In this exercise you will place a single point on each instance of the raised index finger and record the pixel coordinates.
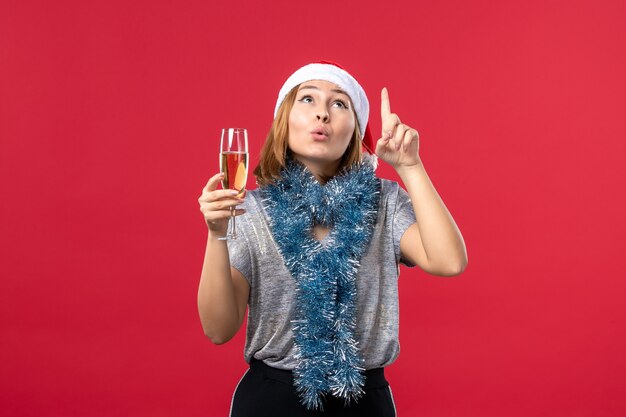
(385, 108)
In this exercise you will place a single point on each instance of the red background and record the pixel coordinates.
(110, 113)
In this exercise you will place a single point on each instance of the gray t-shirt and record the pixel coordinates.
(269, 336)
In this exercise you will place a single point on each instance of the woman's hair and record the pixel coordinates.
(276, 147)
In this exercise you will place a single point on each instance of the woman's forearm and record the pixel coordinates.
(441, 238)
(217, 299)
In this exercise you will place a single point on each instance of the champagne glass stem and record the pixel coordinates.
(233, 232)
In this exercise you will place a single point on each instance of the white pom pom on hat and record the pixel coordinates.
(336, 74)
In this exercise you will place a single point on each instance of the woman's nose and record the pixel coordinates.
(322, 115)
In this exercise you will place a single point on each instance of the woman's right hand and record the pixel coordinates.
(215, 205)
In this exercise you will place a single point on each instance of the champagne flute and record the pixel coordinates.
(234, 165)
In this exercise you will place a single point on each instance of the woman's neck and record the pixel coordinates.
(321, 170)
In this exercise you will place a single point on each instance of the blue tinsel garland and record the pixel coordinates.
(328, 359)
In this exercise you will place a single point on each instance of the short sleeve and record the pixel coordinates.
(403, 217)
(239, 253)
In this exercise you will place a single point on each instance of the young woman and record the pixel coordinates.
(317, 254)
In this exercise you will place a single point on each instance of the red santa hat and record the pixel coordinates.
(334, 73)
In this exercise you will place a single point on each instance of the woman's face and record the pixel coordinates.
(321, 122)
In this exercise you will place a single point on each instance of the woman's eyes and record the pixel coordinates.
(339, 103)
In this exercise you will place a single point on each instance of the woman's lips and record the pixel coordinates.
(319, 134)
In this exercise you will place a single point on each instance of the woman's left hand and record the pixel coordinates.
(399, 144)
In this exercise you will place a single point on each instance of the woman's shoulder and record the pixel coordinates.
(392, 194)
(253, 196)
(253, 202)
(388, 187)
(256, 193)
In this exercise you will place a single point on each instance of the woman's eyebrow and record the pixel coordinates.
(334, 90)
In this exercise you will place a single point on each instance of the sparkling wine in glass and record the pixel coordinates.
(234, 165)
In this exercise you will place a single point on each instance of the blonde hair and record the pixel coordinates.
(276, 147)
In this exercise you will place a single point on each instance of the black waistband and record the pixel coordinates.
(374, 378)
